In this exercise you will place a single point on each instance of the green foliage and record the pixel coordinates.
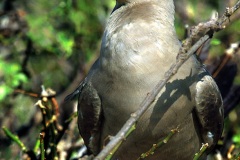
(56, 29)
(236, 139)
(12, 77)
(215, 42)
(46, 37)
(66, 43)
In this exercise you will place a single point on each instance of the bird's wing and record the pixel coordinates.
(89, 111)
(76, 92)
(89, 114)
(209, 110)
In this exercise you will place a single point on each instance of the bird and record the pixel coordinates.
(139, 44)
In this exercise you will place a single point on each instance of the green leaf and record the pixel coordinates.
(65, 42)
(215, 42)
(13, 77)
(236, 138)
(4, 91)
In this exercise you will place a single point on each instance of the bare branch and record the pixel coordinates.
(200, 153)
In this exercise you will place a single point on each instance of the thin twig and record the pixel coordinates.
(228, 55)
(36, 147)
(15, 138)
(200, 153)
(51, 129)
(133, 127)
(159, 144)
(73, 115)
(42, 150)
(27, 93)
(186, 51)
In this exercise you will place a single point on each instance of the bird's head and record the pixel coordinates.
(120, 3)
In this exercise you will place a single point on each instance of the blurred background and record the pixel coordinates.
(53, 44)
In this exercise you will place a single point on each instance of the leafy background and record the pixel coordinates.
(53, 43)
